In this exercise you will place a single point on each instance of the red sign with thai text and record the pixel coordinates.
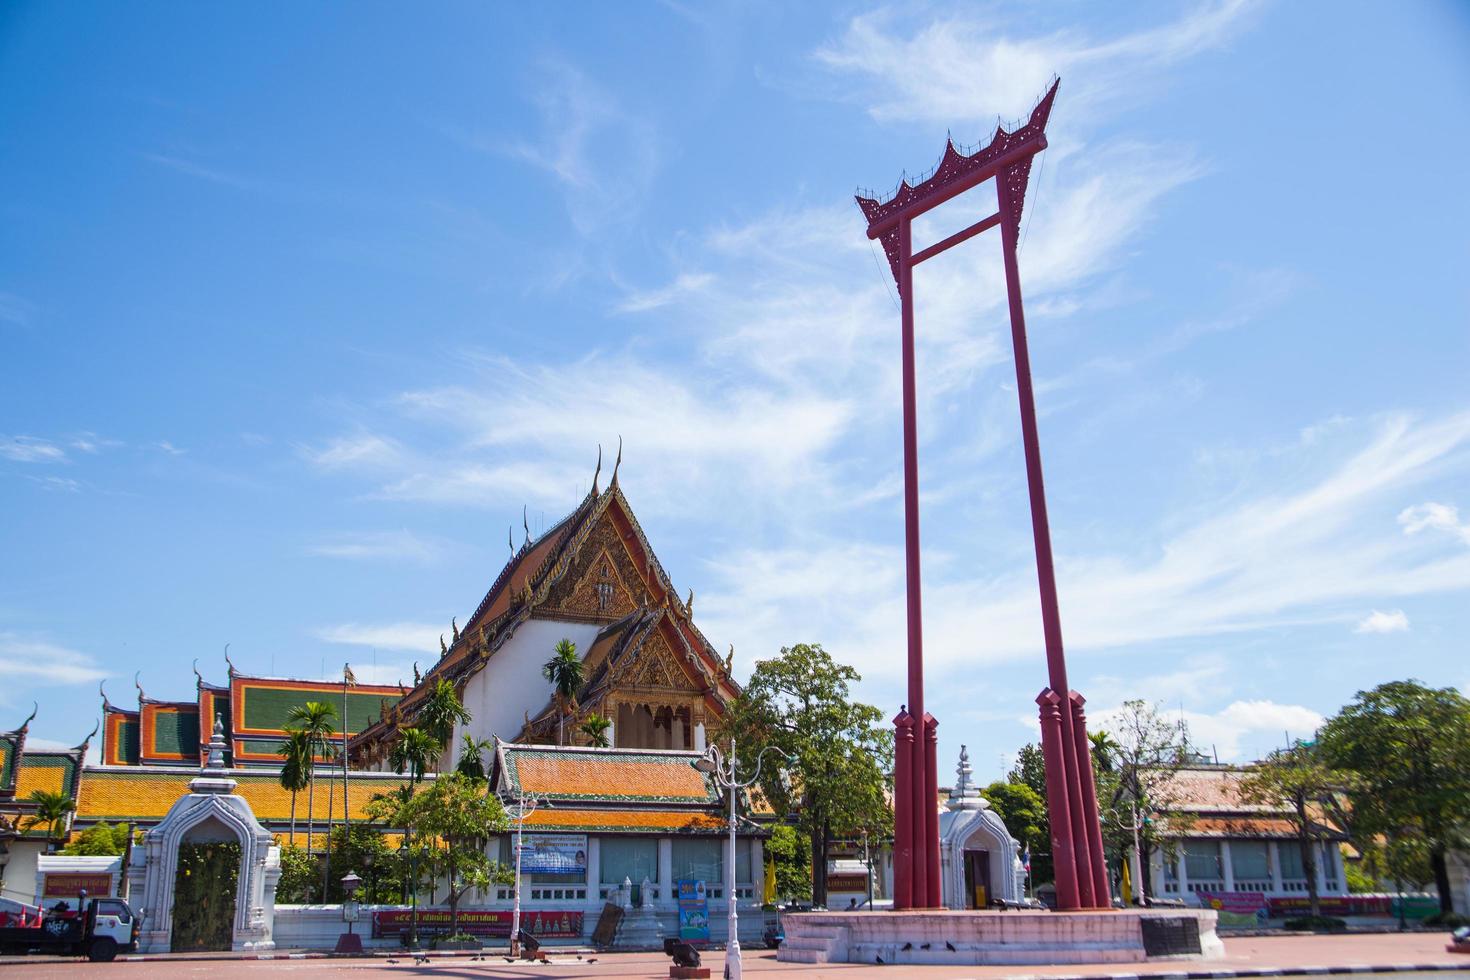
(69, 885)
(479, 922)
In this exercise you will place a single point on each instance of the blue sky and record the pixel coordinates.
(299, 306)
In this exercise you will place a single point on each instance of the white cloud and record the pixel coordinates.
(371, 545)
(16, 310)
(28, 449)
(1439, 517)
(418, 637)
(169, 448)
(968, 68)
(1253, 563)
(1246, 730)
(28, 659)
(58, 484)
(1383, 622)
(603, 154)
(349, 451)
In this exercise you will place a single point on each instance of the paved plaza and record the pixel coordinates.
(1246, 954)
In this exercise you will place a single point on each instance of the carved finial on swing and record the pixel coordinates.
(227, 660)
(138, 685)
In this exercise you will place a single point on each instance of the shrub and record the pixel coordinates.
(1446, 920)
(1316, 923)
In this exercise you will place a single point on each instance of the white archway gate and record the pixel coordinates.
(211, 805)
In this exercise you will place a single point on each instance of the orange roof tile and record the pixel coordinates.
(629, 820)
(147, 794)
(610, 776)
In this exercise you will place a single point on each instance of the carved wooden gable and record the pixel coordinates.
(597, 587)
(656, 665)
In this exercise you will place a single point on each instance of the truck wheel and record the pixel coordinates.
(103, 950)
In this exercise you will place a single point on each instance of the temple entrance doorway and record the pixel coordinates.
(204, 889)
(977, 879)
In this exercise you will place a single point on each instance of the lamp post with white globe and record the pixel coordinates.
(721, 769)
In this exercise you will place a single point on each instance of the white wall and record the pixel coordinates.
(20, 871)
(318, 926)
(511, 683)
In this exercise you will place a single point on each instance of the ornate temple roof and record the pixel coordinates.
(552, 577)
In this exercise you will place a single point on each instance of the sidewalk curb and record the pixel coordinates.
(1249, 972)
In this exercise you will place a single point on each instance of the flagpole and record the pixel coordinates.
(346, 810)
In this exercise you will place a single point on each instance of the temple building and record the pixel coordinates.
(594, 580)
(618, 822)
(255, 712)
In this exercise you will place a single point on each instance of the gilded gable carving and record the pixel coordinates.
(598, 586)
(657, 665)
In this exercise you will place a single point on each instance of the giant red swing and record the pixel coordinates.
(1081, 874)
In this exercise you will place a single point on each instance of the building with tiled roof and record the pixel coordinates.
(255, 712)
(1224, 844)
(633, 814)
(593, 579)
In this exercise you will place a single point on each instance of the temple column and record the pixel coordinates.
(594, 870)
(1227, 868)
(1273, 854)
(666, 869)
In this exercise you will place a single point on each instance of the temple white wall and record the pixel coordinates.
(511, 684)
(20, 871)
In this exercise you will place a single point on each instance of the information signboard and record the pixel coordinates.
(554, 854)
(543, 923)
(693, 911)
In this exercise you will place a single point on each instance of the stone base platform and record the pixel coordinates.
(974, 938)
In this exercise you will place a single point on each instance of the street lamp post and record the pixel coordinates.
(722, 770)
(405, 851)
(523, 806)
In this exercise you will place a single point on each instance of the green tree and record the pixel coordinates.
(791, 852)
(53, 811)
(1023, 811)
(442, 710)
(1298, 783)
(801, 703)
(1410, 747)
(595, 728)
(363, 850)
(1137, 754)
(472, 756)
(295, 753)
(1029, 770)
(414, 751)
(453, 819)
(564, 671)
(100, 840)
(299, 872)
(314, 720)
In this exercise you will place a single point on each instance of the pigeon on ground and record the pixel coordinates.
(392, 960)
(949, 945)
(592, 960)
(510, 959)
(579, 956)
(880, 960)
(925, 946)
(907, 947)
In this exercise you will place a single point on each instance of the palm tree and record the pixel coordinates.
(52, 812)
(413, 751)
(295, 770)
(564, 671)
(472, 756)
(595, 728)
(313, 720)
(440, 713)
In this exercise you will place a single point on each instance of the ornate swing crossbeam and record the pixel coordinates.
(1076, 834)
